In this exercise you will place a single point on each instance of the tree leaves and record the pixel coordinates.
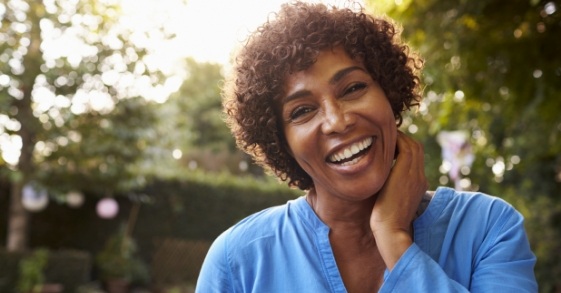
(503, 57)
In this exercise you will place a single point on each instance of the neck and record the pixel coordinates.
(343, 216)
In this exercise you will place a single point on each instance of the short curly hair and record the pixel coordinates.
(289, 42)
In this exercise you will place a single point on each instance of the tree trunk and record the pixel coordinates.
(18, 220)
(18, 216)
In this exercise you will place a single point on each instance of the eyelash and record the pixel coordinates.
(355, 87)
(299, 111)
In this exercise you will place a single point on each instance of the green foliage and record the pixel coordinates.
(196, 206)
(119, 260)
(201, 205)
(200, 102)
(196, 109)
(74, 80)
(102, 161)
(493, 68)
(77, 111)
(69, 268)
(31, 271)
(191, 130)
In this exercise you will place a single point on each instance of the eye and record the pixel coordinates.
(354, 88)
(299, 112)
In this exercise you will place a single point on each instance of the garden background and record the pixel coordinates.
(114, 166)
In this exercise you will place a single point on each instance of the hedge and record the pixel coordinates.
(195, 208)
(68, 268)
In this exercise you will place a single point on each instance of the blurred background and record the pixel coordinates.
(117, 172)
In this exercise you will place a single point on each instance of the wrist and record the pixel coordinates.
(392, 244)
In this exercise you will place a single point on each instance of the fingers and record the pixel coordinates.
(398, 200)
(410, 161)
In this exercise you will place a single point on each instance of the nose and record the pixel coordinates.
(336, 119)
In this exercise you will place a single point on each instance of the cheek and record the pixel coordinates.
(291, 144)
(300, 146)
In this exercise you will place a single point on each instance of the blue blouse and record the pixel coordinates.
(463, 242)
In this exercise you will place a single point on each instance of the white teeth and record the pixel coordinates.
(353, 161)
(351, 151)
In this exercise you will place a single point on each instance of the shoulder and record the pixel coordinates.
(469, 222)
(471, 212)
(484, 203)
(255, 238)
(238, 242)
(474, 236)
(260, 225)
(480, 204)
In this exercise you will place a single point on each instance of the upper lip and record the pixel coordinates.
(348, 150)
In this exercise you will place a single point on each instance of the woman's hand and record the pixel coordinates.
(397, 203)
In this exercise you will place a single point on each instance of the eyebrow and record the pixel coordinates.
(334, 79)
(341, 73)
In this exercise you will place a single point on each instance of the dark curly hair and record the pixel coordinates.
(289, 42)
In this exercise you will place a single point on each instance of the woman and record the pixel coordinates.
(316, 97)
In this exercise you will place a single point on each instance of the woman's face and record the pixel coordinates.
(339, 126)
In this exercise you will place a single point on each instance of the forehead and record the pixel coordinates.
(330, 65)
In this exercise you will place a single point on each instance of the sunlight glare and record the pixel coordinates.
(206, 30)
(10, 146)
(177, 154)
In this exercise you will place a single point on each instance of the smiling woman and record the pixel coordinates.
(316, 96)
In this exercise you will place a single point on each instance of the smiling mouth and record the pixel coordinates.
(352, 153)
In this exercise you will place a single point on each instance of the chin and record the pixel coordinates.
(364, 193)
